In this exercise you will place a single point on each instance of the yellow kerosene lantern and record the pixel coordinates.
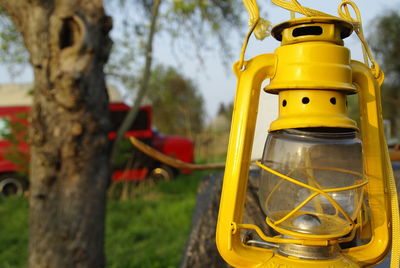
(326, 187)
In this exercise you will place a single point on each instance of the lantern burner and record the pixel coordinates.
(307, 222)
(309, 252)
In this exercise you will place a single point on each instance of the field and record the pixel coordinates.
(147, 230)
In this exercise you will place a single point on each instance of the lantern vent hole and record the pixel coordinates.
(308, 30)
(305, 100)
(333, 100)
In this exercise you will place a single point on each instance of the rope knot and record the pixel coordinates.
(263, 29)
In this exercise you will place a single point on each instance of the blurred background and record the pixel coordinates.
(172, 61)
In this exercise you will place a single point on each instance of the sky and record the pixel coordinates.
(215, 81)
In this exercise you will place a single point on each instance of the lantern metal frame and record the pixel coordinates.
(353, 76)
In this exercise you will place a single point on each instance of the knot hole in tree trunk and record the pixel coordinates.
(72, 32)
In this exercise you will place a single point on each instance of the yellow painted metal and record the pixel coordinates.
(333, 30)
(308, 241)
(291, 262)
(236, 172)
(311, 60)
(238, 161)
(312, 64)
(312, 108)
(374, 151)
(319, 69)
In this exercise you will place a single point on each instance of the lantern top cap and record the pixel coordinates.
(344, 27)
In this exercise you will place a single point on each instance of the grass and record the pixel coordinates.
(149, 230)
(13, 232)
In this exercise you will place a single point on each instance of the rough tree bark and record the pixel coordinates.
(201, 249)
(68, 45)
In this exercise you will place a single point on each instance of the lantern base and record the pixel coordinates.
(330, 227)
(309, 252)
(339, 261)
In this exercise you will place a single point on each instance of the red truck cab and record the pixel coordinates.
(142, 128)
(134, 165)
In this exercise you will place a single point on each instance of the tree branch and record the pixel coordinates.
(143, 83)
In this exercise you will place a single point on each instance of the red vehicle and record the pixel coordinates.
(132, 164)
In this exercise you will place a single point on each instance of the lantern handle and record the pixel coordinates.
(262, 27)
(376, 169)
(238, 160)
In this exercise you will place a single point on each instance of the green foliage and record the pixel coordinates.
(219, 14)
(178, 106)
(151, 230)
(391, 103)
(126, 154)
(5, 128)
(201, 24)
(15, 131)
(181, 20)
(147, 231)
(353, 107)
(385, 40)
(226, 110)
(14, 232)
(13, 53)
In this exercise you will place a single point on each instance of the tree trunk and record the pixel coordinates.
(68, 44)
(201, 249)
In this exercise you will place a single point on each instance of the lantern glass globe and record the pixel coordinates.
(327, 159)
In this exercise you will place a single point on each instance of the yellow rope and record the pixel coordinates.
(320, 191)
(261, 27)
(295, 6)
(357, 24)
